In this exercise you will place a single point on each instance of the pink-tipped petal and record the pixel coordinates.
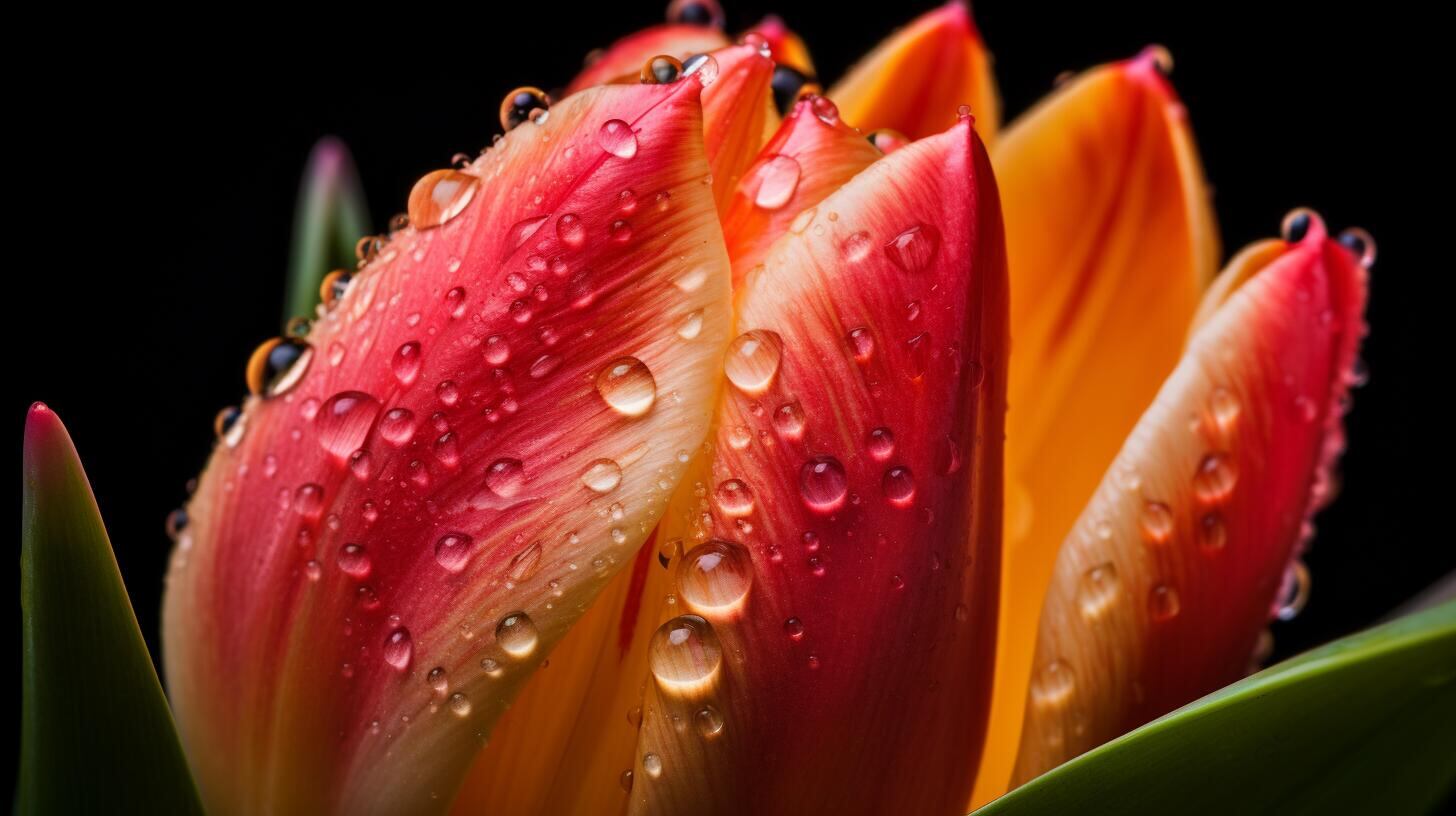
(622, 61)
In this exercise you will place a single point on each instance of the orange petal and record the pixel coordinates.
(1162, 588)
(840, 586)
(785, 47)
(915, 80)
(623, 59)
(813, 154)
(459, 462)
(1110, 241)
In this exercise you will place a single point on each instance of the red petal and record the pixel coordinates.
(813, 154)
(1163, 586)
(850, 583)
(738, 115)
(512, 463)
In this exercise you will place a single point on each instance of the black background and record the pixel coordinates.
(159, 158)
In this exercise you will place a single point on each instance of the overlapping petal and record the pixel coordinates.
(914, 79)
(838, 588)
(738, 114)
(623, 59)
(474, 439)
(1110, 240)
(1165, 583)
(813, 154)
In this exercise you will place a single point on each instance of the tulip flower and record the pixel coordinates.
(712, 444)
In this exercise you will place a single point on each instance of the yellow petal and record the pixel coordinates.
(1110, 240)
(915, 80)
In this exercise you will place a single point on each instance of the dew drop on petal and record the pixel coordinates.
(343, 422)
(617, 138)
(399, 649)
(602, 476)
(516, 633)
(627, 386)
(684, 651)
(452, 551)
(440, 196)
(715, 575)
(914, 249)
(777, 179)
(823, 484)
(753, 360)
(505, 477)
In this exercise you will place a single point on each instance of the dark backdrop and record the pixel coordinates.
(153, 192)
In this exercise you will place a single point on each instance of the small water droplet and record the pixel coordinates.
(823, 484)
(1098, 590)
(691, 325)
(1053, 684)
(1157, 522)
(398, 426)
(1215, 479)
(660, 70)
(516, 634)
(1296, 594)
(898, 485)
(1224, 407)
(1163, 603)
(734, 498)
(406, 363)
(616, 137)
(753, 360)
(459, 705)
(789, 420)
(523, 105)
(399, 649)
(880, 444)
(354, 561)
(861, 344)
(652, 765)
(440, 196)
(914, 249)
(794, 628)
(505, 477)
(702, 66)
(452, 551)
(277, 366)
(709, 722)
(602, 476)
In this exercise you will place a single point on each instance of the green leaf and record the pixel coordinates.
(330, 219)
(96, 735)
(1366, 724)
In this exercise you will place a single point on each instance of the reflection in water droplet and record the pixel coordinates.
(406, 363)
(652, 765)
(753, 360)
(516, 634)
(399, 649)
(734, 498)
(709, 722)
(914, 249)
(354, 561)
(627, 385)
(505, 477)
(777, 179)
(684, 651)
(715, 576)
(880, 444)
(523, 105)
(898, 485)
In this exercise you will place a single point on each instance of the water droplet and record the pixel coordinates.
(776, 178)
(914, 249)
(570, 230)
(794, 628)
(543, 366)
(861, 344)
(753, 360)
(734, 498)
(440, 196)
(1212, 532)
(343, 422)
(1360, 244)
(684, 651)
(1157, 522)
(492, 667)
(505, 477)
(278, 365)
(602, 476)
(696, 12)
(1053, 684)
(333, 287)
(459, 705)
(398, 426)
(789, 421)
(691, 325)
(627, 386)
(354, 561)
(406, 363)
(716, 575)
(625, 780)
(898, 485)
(616, 137)
(438, 681)
(228, 425)
(709, 722)
(1215, 479)
(497, 351)
(823, 484)
(521, 231)
(399, 649)
(1163, 603)
(525, 563)
(887, 140)
(1224, 407)
(824, 110)
(516, 634)
(1098, 590)
(308, 500)
(452, 551)
(660, 70)
(522, 105)
(1296, 224)
(1296, 594)
(880, 444)
(703, 67)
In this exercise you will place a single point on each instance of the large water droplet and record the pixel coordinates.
(823, 484)
(523, 105)
(715, 576)
(777, 179)
(616, 137)
(516, 633)
(343, 422)
(684, 652)
(398, 426)
(660, 70)
(440, 196)
(452, 551)
(703, 67)
(627, 385)
(753, 360)
(914, 249)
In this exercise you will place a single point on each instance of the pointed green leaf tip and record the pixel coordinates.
(1366, 724)
(329, 220)
(96, 735)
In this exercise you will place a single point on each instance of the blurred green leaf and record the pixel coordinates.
(1366, 724)
(96, 735)
(330, 219)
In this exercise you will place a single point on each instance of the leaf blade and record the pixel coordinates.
(331, 216)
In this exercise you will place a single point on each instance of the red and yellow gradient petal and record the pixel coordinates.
(462, 460)
(623, 59)
(813, 154)
(738, 115)
(1110, 241)
(915, 80)
(845, 583)
(1171, 573)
